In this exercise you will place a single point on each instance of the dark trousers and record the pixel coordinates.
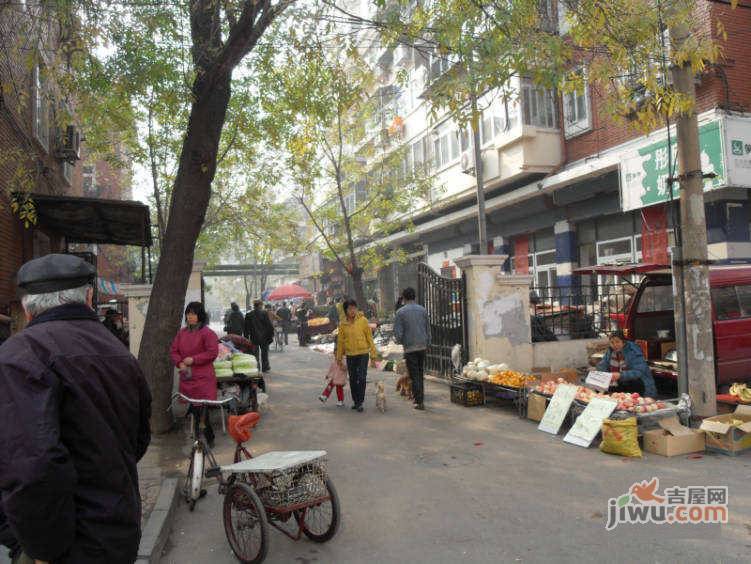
(357, 366)
(285, 330)
(262, 357)
(416, 367)
(201, 412)
(301, 334)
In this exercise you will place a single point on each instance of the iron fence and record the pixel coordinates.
(445, 300)
(578, 311)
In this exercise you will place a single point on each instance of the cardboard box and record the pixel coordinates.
(724, 437)
(672, 438)
(666, 347)
(536, 406)
(570, 375)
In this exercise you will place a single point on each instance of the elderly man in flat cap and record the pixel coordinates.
(74, 421)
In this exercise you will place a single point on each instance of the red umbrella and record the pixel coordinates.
(289, 292)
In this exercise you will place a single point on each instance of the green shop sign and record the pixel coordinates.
(644, 174)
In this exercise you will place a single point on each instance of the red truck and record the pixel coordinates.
(649, 314)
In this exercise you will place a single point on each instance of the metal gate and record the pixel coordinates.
(446, 302)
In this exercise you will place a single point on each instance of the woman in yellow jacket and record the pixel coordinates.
(355, 341)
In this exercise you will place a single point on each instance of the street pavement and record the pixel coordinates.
(456, 484)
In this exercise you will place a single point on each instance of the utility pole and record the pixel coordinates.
(481, 219)
(692, 265)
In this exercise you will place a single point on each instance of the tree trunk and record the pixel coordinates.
(356, 275)
(190, 198)
(155, 180)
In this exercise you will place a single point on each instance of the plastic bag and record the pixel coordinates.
(621, 436)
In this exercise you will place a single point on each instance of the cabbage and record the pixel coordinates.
(222, 365)
(224, 373)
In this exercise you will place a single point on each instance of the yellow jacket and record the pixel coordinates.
(355, 338)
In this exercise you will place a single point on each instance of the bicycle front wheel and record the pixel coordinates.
(196, 477)
(245, 524)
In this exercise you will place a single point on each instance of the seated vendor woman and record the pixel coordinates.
(625, 361)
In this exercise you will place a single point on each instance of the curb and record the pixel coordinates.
(157, 529)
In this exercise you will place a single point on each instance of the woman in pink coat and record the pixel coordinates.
(193, 351)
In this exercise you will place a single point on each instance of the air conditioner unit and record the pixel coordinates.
(69, 144)
(467, 162)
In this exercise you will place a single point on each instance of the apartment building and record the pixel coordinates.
(566, 185)
(38, 150)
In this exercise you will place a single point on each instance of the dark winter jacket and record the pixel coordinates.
(74, 421)
(235, 323)
(258, 327)
(637, 368)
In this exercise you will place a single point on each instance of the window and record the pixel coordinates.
(418, 155)
(563, 15)
(744, 298)
(547, 16)
(68, 171)
(538, 106)
(41, 109)
(486, 127)
(656, 298)
(576, 118)
(88, 180)
(445, 146)
(726, 303)
(615, 251)
(439, 64)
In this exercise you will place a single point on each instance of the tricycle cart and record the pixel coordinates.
(289, 490)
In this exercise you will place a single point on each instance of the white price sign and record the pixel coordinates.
(599, 380)
(589, 423)
(557, 409)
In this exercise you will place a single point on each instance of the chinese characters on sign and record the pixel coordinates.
(644, 175)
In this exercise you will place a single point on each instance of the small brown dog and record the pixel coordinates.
(380, 397)
(404, 382)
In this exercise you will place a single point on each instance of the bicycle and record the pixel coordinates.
(193, 487)
(272, 489)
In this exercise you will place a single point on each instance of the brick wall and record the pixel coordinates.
(17, 139)
(606, 132)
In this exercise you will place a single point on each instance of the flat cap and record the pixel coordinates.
(55, 272)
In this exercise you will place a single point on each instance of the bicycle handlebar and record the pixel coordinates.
(200, 401)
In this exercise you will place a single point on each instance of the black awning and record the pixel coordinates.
(93, 220)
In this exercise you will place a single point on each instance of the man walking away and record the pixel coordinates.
(412, 331)
(285, 315)
(235, 321)
(302, 319)
(259, 329)
(73, 425)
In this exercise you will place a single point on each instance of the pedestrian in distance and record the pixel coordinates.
(336, 378)
(194, 350)
(302, 320)
(260, 330)
(355, 342)
(412, 331)
(285, 317)
(235, 320)
(74, 423)
(113, 321)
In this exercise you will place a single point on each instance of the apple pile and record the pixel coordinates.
(548, 388)
(635, 403)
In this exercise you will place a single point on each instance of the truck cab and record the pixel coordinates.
(649, 316)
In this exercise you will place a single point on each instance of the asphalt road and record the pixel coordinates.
(458, 484)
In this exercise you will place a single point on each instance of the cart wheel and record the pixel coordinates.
(245, 524)
(320, 522)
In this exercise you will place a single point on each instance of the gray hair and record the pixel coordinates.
(36, 304)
